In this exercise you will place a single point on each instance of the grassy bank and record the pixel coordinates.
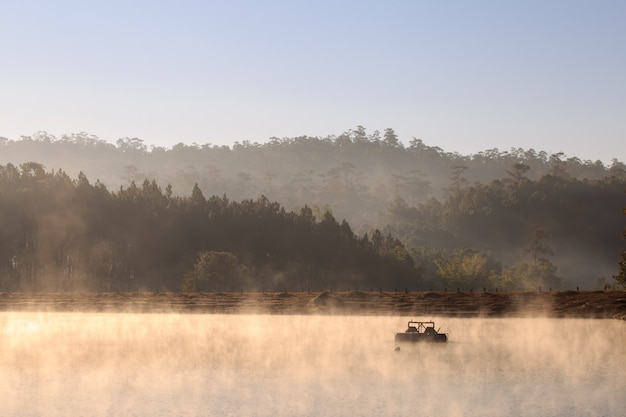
(583, 304)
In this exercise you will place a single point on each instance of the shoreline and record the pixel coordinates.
(556, 304)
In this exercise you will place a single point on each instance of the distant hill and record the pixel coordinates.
(422, 195)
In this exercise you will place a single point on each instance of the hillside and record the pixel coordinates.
(437, 203)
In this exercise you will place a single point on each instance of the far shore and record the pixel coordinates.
(555, 304)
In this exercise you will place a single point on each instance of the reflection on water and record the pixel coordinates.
(195, 365)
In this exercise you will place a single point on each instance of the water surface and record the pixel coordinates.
(60, 364)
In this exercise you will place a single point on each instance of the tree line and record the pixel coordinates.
(356, 173)
(64, 234)
(579, 221)
(440, 205)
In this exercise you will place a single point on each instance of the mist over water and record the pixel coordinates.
(59, 364)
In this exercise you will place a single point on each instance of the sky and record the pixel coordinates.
(466, 76)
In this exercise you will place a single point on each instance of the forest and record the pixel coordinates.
(356, 210)
(58, 233)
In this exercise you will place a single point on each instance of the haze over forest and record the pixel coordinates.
(355, 210)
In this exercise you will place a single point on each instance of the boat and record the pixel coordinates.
(421, 331)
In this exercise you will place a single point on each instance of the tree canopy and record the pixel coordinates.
(432, 201)
(58, 233)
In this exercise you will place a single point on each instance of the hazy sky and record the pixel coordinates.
(462, 75)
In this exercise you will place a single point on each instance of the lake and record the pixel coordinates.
(62, 364)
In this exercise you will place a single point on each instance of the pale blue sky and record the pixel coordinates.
(462, 75)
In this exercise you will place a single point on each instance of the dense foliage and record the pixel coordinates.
(57, 233)
(573, 224)
(356, 173)
(466, 220)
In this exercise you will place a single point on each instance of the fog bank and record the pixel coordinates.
(57, 364)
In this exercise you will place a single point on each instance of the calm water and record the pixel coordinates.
(205, 365)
